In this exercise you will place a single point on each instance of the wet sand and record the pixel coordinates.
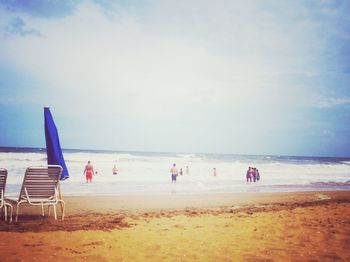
(303, 226)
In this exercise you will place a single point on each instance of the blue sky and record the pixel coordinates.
(244, 77)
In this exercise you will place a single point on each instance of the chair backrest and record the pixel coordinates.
(40, 182)
(3, 177)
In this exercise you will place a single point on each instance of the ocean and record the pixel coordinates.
(148, 173)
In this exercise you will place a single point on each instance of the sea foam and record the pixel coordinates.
(149, 173)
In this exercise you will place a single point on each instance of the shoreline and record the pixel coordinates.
(101, 204)
(169, 192)
(182, 201)
(126, 205)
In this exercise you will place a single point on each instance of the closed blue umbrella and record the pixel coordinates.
(53, 147)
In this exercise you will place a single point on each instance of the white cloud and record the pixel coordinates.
(126, 57)
(328, 102)
(194, 64)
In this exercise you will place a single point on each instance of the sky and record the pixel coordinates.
(226, 76)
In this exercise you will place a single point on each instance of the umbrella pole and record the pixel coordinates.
(61, 201)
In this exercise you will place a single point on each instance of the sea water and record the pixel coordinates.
(147, 173)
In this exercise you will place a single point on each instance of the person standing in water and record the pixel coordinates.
(254, 174)
(115, 170)
(214, 171)
(174, 173)
(88, 171)
(249, 174)
(187, 170)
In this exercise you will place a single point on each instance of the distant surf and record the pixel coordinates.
(147, 173)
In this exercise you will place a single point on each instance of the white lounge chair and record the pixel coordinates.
(40, 187)
(4, 204)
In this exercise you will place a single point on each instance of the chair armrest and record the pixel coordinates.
(2, 198)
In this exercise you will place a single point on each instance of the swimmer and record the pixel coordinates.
(174, 173)
(88, 171)
(249, 174)
(115, 170)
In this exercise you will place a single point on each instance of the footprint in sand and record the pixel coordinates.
(321, 197)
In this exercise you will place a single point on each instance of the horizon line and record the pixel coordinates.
(3, 149)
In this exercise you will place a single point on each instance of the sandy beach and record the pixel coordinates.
(303, 226)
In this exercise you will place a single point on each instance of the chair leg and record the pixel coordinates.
(11, 208)
(54, 211)
(17, 211)
(11, 211)
(63, 207)
(5, 207)
(42, 210)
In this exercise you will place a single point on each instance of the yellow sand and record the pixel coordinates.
(263, 227)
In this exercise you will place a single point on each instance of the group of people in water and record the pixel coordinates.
(252, 174)
(175, 172)
(89, 171)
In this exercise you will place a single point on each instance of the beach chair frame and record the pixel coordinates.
(3, 203)
(40, 187)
